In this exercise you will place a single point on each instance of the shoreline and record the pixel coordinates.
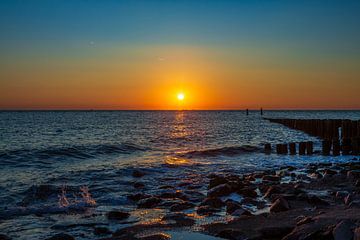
(317, 201)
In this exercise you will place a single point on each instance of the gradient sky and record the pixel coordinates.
(135, 54)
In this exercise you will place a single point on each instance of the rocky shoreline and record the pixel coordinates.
(317, 201)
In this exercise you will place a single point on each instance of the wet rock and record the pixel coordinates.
(101, 231)
(61, 236)
(172, 195)
(181, 220)
(304, 220)
(248, 200)
(353, 174)
(240, 212)
(138, 196)
(181, 206)
(216, 181)
(280, 205)
(330, 172)
(357, 183)
(231, 234)
(248, 192)
(138, 185)
(343, 230)
(315, 200)
(4, 237)
(206, 210)
(232, 206)
(341, 194)
(271, 178)
(272, 190)
(212, 202)
(159, 236)
(357, 233)
(138, 174)
(117, 215)
(166, 187)
(149, 202)
(275, 232)
(220, 190)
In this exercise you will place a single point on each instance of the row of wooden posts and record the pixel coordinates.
(307, 148)
(346, 142)
(323, 128)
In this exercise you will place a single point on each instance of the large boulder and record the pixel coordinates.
(149, 202)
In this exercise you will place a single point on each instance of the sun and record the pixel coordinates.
(180, 96)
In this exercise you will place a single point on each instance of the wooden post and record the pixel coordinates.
(247, 111)
(355, 145)
(336, 147)
(326, 147)
(309, 148)
(267, 148)
(284, 148)
(261, 111)
(346, 146)
(292, 147)
(302, 148)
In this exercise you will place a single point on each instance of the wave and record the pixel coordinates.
(79, 152)
(225, 151)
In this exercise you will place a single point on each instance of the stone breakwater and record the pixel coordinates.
(317, 201)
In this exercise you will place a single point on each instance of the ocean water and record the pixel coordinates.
(58, 168)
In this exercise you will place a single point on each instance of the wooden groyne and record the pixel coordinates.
(338, 135)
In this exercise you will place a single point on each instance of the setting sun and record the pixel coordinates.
(180, 96)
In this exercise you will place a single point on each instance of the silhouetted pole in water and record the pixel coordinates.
(261, 111)
(247, 111)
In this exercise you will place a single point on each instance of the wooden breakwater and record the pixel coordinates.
(338, 135)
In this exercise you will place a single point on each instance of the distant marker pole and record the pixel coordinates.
(261, 111)
(247, 111)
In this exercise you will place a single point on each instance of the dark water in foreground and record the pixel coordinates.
(96, 152)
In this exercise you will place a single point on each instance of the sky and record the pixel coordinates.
(140, 54)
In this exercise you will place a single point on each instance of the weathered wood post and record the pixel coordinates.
(336, 147)
(326, 147)
(247, 111)
(302, 148)
(309, 148)
(292, 148)
(267, 148)
(346, 146)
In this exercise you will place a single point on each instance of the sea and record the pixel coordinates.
(61, 171)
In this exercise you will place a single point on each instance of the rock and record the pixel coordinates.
(343, 230)
(206, 210)
(149, 202)
(275, 232)
(117, 215)
(101, 231)
(315, 200)
(330, 172)
(181, 219)
(271, 178)
(220, 190)
(240, 212)
(341, 194)
(181, 206)
(271, 190)
(357, 183)
(61, 236)
(353, 174)
(212, 202)
(232, 206)
(138, 174)
(357, 233)
(248, 192)
(4, 237)
(280, 205)
(158, 236)
(231, 234)
(304, 220)
(348, 199)
(216, 181)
